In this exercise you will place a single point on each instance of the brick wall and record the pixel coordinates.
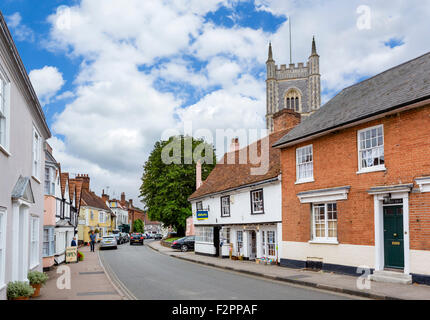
(407, 156)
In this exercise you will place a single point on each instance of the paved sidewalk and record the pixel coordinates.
(322, 280)
(88, 281)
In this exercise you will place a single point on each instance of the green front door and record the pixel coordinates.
(393, 237)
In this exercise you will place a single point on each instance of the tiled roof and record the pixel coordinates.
(396, 87)
(228, 176)
(90, 199)
(64, 177)
(76, 185)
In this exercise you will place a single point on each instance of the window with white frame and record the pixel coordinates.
(4, 113)
(48, 242)
(2, 245)
(226, 235)
(36, 153)
(324, 222)
(263, 243)
(199, 205)
(257, 204)
(49, 181)
(371, 149)
(271, 244)
(304, 164)
(92, 215)
(204, 234)
(225, 206)
(101, 217)
(34, 241)
(239, 241)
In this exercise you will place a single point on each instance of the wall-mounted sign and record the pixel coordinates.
(71, 254)
(202, 214)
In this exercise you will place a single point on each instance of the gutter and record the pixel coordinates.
(236, 188)
(373, 116)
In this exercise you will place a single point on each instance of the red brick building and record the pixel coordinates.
(356, 179)
(134, 213)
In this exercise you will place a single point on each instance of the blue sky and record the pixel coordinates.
(113, 76)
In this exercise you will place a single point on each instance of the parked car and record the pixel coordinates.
(125, 237)
(184, 244)
(148, 236)
(158, 236)
(136, 238)
(108, 242)
(119, 238)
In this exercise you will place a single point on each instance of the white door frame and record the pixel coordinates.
(20, 216)
(379, 227)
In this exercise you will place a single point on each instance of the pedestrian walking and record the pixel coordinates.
(92, 240)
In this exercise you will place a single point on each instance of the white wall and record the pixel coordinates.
(240, 206)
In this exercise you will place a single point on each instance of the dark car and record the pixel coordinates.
(136, 238)
(119, 238)
(157, 236)
(184, 244)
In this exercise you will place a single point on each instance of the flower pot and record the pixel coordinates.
(36, 290)
(21, 298)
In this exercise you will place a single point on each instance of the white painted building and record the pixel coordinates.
(236, 211)
(23, 132)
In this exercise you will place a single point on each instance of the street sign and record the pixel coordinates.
(202, 214)
(71, 254)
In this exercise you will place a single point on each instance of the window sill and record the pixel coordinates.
(305, 181)
(36, 179)
(334, 242)
(3, 149)
(226, 216)
(256, 213)
(372, 169)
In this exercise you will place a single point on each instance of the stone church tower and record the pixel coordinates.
(297, 87)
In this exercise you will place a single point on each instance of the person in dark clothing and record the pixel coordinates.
(73, 244)
(92, 240)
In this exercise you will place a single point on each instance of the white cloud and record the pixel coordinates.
(20, 31)
(117, 113)
(46, 82)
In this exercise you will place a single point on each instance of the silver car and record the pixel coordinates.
(109, 242)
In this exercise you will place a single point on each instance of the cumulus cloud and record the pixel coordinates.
(117, 112)
(20, 31)
(46, 82)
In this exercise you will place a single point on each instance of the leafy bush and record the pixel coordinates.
(19, 289)
(138, 226)
(36, 277)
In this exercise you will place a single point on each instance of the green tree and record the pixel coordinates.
(138, 226)
(169, 178)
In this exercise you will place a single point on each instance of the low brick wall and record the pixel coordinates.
(165, 243)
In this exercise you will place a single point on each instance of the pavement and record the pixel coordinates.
(322, 280)
(88, 281)
(150, 275)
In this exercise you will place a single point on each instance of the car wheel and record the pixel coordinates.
(184, 248)
(116, 247)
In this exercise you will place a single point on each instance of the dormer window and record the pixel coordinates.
(293, 100)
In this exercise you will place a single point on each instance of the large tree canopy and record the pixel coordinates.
(169, 178)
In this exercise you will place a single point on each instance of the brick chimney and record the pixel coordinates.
(122, 198)
(234, 146)
(198, 174)
(85, 181)
(130, 201)
(285, 119)
(105, 197)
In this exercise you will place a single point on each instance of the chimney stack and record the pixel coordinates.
(105, 197)
(122, 199)
(285, 119)
(131, 202)
(234, 146)
(198, 174)
(85, 181)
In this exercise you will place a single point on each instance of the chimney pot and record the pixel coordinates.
(285, 119)
(234, 146)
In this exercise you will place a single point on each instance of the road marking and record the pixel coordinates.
(92, 272)
(97, 293)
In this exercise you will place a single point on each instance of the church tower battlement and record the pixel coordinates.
(296, 87)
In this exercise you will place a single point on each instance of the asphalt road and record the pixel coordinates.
(152, 275)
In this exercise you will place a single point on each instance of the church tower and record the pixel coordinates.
(296, 87)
